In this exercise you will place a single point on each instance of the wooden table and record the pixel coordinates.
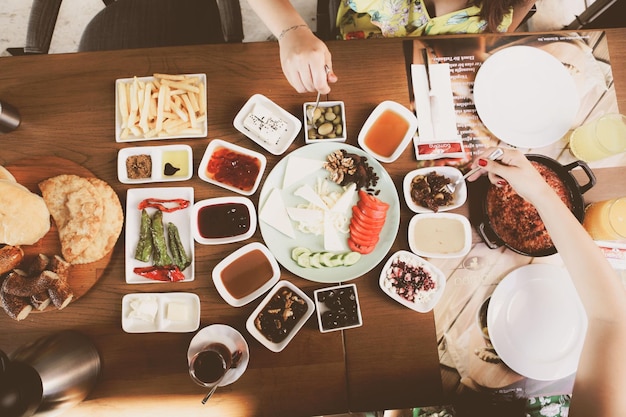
(67, 106)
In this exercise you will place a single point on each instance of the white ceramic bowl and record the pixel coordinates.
(427, 303)
(324, 105)
(400, 110)
(217, 274)
(460, 193)
(279, 346)
(440, 235)
(322, 307)
(216, 202)
(293, 124)
(217, 144)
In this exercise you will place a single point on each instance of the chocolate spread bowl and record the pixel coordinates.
(575, 190)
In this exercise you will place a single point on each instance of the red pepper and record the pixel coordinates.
(160, 273)
(179, 204)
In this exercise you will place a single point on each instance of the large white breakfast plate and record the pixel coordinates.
(525, 96)
(181, 218)
(537, 323)
(200, 130)
(281, 245)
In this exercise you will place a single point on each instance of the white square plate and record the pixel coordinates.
(200, 130)
(181, 218)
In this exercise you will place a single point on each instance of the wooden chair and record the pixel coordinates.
(126, 24)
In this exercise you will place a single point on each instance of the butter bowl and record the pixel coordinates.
(440, 235)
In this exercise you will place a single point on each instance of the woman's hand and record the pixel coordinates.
(304, 59)
(513, 167)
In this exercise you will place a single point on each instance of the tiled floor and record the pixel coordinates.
(75, 14)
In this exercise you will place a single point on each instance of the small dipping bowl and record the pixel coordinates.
(338, 308)
(440, 235)
(332, 115)
(223, 220)
(388, 131)
(245, 274)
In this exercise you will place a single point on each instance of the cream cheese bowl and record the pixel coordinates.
(440, 235)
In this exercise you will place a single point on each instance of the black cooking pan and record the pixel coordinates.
(576, 191)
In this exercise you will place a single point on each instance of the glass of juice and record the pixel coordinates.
(606, 220)
(600, 138)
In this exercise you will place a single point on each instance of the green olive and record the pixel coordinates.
(325, 129)
(330, 116)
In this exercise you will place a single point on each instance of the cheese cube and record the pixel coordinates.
(265, 124)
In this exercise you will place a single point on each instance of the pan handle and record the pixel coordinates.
(488, 236)
(590, 175)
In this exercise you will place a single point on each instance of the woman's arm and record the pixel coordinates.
(601, 377)
(303, 56)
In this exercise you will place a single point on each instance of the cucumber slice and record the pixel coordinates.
(351, 258)
(304, 260)
(297, 251)
(337, 260)
(314, 260)
(326, 259)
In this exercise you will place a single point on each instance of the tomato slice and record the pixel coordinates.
(363, 238)
(366, 221)
(372, 201)
(370, 212)
(363, 250)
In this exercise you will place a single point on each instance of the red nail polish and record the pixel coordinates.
(501, 182)
(482, 162)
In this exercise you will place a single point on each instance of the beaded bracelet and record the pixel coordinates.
(284, 32)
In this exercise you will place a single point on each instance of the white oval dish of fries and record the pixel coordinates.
(162, 106)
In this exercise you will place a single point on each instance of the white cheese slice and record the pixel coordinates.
(332, 241)
(346, 201)
(309, 194)
(305, 215)
(275, 214)
(177, 311)
(298, 168)
(265, 124)
(144, 308)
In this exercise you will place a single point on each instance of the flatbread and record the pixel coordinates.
(24, 216)
(77, 210)
(6, 175)
(111, 227)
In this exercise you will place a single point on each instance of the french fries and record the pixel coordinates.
(168, 105)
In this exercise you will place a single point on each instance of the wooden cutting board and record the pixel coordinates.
(29, 172)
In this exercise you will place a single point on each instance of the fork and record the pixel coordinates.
(311, 110)
(452, 187)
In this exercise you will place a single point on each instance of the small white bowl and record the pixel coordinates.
(322, 307)
(215, 203)
(323, 105)
(293, 124)
(217, 144)
(405, 114)
(251, 268)
(256, 333)
(460, 193)
(422, 306)
(450, 235)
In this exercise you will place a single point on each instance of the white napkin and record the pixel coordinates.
(436, 117)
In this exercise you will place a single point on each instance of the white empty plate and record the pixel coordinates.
(537, 323)
(525, 97)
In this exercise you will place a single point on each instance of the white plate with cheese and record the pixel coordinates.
(175, 312)
(267, 124)
(302, 170)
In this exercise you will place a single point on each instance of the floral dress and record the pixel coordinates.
(361, 19)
